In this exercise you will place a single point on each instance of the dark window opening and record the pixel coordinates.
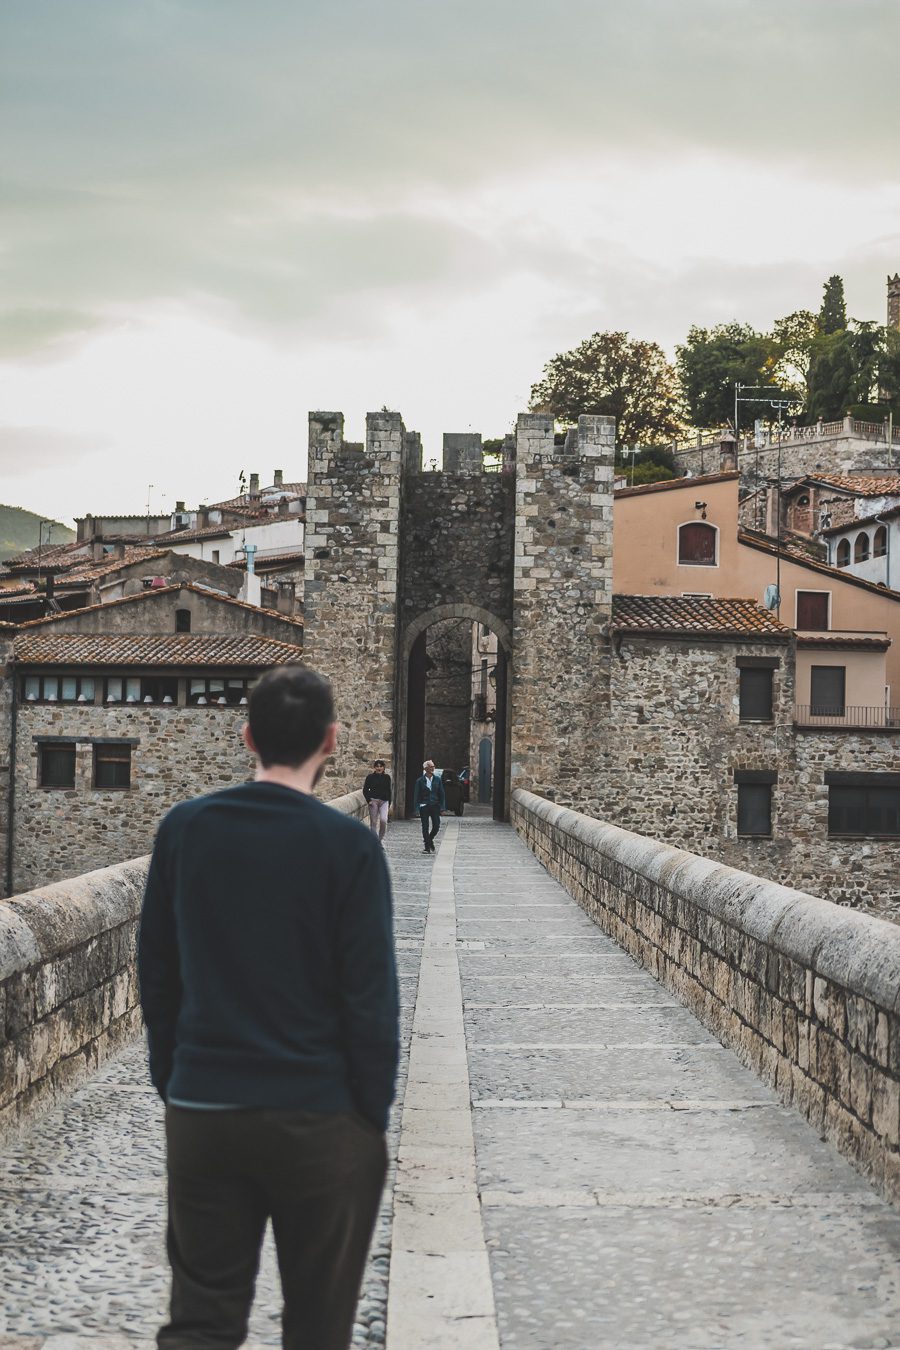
(228, 692)
(697, 544)
(812, 611)
(182, 621)
(140, 689)
(755, 695)
(864, 810)
(754, 808)
(58, 689)
(879, 544)
(56, 765)
(827, 685)
(861, 548)
(112, 766)
(843, 553)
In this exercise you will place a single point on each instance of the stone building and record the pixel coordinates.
(112, 714)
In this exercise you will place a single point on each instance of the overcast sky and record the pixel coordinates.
(219, 214)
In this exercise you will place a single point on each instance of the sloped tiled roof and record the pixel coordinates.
(890, 514)
(677, 614)
(150, 596)
(59, 555)
(187, 536)
(872, 642)
(152, 649)
(859, 485)
(286, 556)
(667, 484)
(94, 570)
(765, 544)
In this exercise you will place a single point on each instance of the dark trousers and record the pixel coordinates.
(430, 814)
(319, 1178)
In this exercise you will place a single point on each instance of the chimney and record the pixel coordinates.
(97, 550)
(119, 550)
(179, 508)
(254, 485)
(279, 478)
(727, 453)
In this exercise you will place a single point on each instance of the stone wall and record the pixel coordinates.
(677, 741)
(841, 452)
(175, 753)
(807, 994)
(7, 713)
(68, 985)
(448, 699)
(562, 602)
(154, 612)
(350, 587)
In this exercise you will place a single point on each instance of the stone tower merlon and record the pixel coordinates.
(350, 587)
(893, 301)
(562, 601)
(462, 452)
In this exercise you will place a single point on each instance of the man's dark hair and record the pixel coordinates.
(375, 763)
(289, 711)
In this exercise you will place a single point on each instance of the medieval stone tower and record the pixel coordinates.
(893, 301)
(525, 550)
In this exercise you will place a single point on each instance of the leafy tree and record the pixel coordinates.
(622, 377)
(833, 314)
(845, 370)
(712, 359)
(792, 340)
(652, 465)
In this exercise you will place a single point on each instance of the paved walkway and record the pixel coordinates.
(580, 1163)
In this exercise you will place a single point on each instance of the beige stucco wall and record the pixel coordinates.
(865, 674)
(645, 541)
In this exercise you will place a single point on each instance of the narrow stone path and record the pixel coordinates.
(582, 1163)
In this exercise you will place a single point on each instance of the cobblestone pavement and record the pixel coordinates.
(82, 1262)
(638, 1187)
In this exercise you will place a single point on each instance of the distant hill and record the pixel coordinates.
(19, 530)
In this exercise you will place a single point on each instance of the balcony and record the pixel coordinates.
(851, 717)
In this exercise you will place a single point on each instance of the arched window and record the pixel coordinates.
(843, 553)
(697, 544)
(182, 621)
(879, 545)
(861, 548)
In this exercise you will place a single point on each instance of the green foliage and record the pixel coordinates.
(19, 531)
(611, 373)
(652, 465)
(792, 339)
(846, 368)
(833, 313)
(709, 363)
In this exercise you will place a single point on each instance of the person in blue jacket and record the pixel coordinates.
(429, 800)
(269, 990)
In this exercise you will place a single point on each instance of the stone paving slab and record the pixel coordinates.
(664, 1024)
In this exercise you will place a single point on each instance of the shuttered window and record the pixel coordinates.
(697, 544)
(812, 611)
(756, 695)
(826, 690)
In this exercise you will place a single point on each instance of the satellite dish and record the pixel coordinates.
(772, 597)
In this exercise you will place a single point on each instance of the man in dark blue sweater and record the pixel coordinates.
(268, 983)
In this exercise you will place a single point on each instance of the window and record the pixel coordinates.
(812, 611)
(803, 499)
(215, 690)
(140, 689)
(754, 801)
(879, 544)
(826, 690)
(864, 804)
(215, 555)
(58, 689)
(861, 548)
(182, 621)
(755, 694)
(56, 764)
(843, 553)
(697, 544)
(112, 765)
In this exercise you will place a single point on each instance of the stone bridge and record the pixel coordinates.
(645, 1100)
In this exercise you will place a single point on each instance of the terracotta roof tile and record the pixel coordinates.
(186, 536)
(153, 649)
(767, 545)
(150, 595)
(295, 555)
(873, 642)
(93, 571)
(859, 485)
(676, 614)
(667, 484)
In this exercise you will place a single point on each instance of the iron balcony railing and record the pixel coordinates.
(855, 716)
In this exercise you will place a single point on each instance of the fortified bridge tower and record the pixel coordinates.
(525, 550)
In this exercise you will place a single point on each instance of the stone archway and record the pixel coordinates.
(409, 647)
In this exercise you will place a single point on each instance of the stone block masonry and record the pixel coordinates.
(68, 984)
(562, 602)
(350, 588)
(808, 995)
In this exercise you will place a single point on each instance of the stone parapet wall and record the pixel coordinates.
(68, 982)
(806, 993)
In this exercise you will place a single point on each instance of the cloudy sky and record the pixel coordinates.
(219, 214)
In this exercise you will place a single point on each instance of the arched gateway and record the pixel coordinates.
(513, 558)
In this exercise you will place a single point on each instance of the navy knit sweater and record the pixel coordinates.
(266, 956)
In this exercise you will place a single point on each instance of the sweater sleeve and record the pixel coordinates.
(368, 989)
(367, 788)
(158, 968)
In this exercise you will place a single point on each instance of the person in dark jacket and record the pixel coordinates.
(268, 984)
(429, 801)
(377, 792)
